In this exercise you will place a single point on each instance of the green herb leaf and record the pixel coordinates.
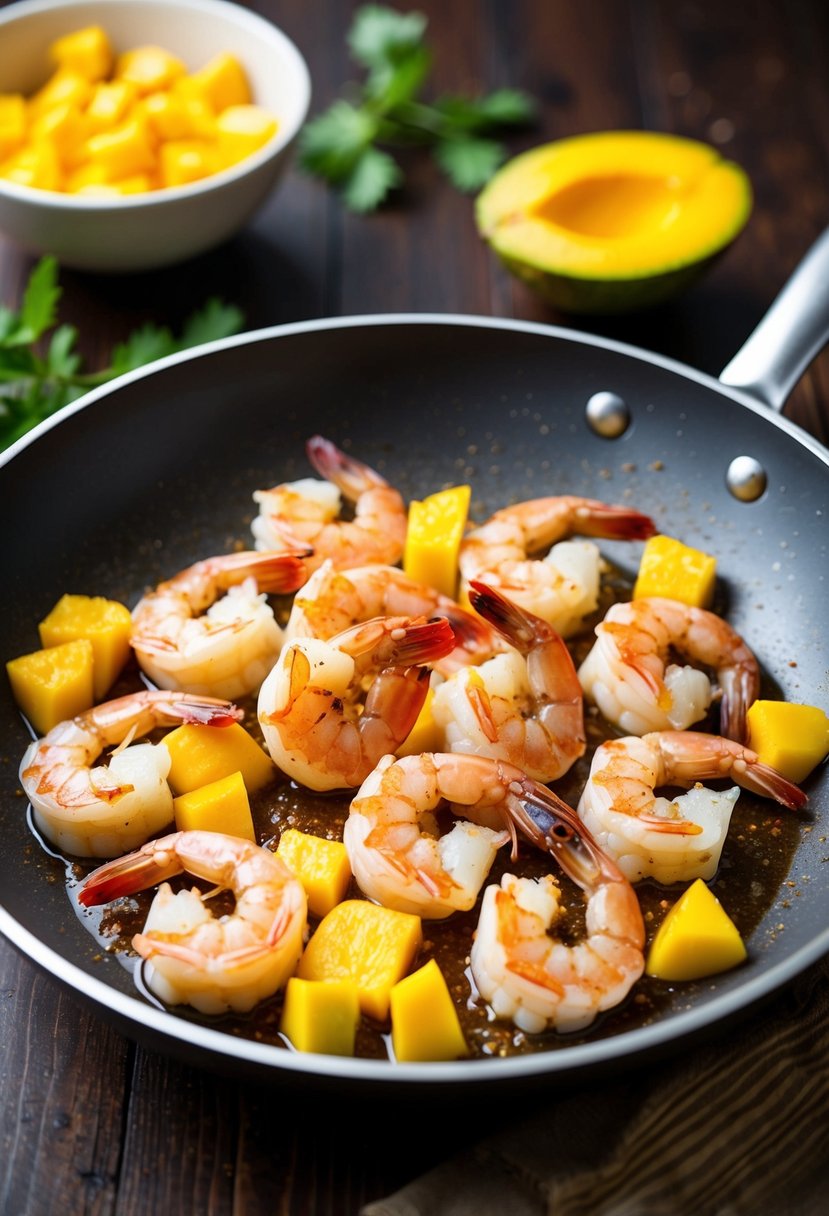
(40, 302)
(503, 108)
(212, 322)
(373, 176)
(381, 35)
(62, 359)
(331, 144)
(143, 346)
(469, 162)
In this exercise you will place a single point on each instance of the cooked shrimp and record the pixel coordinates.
(185, 636)
(527, 975)
(192, 957)
(629, 675)
(105, 810)
(304, 513)
(679, 839)
(397, 852)
(563, 587)
(333, 600)
(524, 706)
(310, 707)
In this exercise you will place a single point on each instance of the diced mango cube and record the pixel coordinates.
(12, 122)
(436, 527)
(149, 68)
(36, 165)
(321, 1017)
(222, 82)
(123, 150)
(221, 806)
(202, 754)
(363, 942)
(86, 51)
(110, 104)
(183, 161)
(322, 866)
(240, 131)
(424, 1020)
(696, 939)
(105, 623)
(789, 737)
(63, 87)
(53, 685)
(173, 117)
(137, 184)
(67, 129)
(84, 176)
(425, 735)
(676, 571)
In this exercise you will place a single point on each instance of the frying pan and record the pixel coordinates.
(155, 471)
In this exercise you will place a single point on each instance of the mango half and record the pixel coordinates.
(613, 221)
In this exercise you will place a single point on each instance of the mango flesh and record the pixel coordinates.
(433, 537)
(613, 220)
(54, 684)
(791, 738)
(221, 806)
(202, 754)
(321, 1016)
(424, 1021)
(696, 939)
(322, 866)
(676, 571)
(105, 623)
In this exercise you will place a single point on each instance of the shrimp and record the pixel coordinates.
(305, 513)
(629, 675)
(332, 600)
(524, 706)
(563, 587)
(230, 649)
(397, 853)
(309, 706)
(102, 811)
(527, 975)
(672, 840)
(192, 957)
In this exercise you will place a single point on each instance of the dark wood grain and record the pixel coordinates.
(88, 1122)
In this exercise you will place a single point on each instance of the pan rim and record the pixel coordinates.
(279, 1063)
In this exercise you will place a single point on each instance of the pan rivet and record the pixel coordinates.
(746, 478)
(607, 415)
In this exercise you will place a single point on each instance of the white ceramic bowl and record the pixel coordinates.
(145, 231)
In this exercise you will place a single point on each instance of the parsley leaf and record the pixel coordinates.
(34, 385)
(341, 144)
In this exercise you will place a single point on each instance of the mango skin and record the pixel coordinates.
(696, 939)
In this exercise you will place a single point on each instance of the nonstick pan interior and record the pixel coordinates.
(158, 470)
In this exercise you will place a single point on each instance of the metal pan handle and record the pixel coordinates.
(790, 335)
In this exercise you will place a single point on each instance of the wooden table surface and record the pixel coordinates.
(88, 1121)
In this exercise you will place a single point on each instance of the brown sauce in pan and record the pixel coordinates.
(751, 878)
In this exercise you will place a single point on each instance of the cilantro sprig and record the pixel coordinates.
(41, 371)
(343, 144)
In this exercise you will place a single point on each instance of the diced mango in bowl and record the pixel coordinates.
(789, 737)
(696, 939)
(675, 571)
(53, 684)
(221, 806)
(112, 125)
(105, 623)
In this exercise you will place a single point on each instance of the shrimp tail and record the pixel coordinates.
(350, 476)
(151, 864)
(511, 621)
(281, 573)
(205, 711)
(766, 781)
(425, 642)
(614, 523)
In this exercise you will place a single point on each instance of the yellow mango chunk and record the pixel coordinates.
(240, 131)
(789, 737)
(12, 122)
(363, 942)
(84, 176)
(183, 161)
(221, 806)
(137, 184)
(86, 51)
(171, 116)
(65, 127)
(435, 529)
(696, 939)
(222, 82)
(321, 1017)
(105, 623)
(53, 685)
(123, 150)
(110, 104)
(322, 866)
(202, 754)
(424, 1021)
(63, 87)
(36, 165)
(676, 571)
(425, 735)
(149, 68)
